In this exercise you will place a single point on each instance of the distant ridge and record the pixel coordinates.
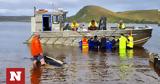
(142, 15)
(90, 12)
(15, 18)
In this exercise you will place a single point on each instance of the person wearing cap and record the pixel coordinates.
(121, 25)
(36, 50)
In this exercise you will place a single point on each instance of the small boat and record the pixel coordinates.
(53, 31)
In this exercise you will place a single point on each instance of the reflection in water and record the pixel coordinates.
(85, 51)
(88, 67)
(126, 62)
(36, 75)
(130, 53)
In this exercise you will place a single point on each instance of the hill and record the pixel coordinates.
(90, 12)
(15, 18)
(142, 15)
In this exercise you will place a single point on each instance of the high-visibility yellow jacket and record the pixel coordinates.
(122, 42)
(93, 24)
(73, 26)
(130, 43)
(121, 26)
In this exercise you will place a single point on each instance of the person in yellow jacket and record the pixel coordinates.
(130, 43)
(121, 25)
(122, 42)
(74, 26)
(123, 56)
(93, 25)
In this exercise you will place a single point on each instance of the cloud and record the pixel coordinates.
(15, 7)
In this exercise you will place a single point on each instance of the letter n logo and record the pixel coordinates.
(15, 76)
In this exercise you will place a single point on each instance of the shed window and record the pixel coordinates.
(55, 19)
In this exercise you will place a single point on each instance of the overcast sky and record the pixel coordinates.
(25, 7)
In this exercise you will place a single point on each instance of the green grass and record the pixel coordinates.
(142, 15)
(90, 12)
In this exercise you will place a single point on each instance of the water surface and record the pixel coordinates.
(83, 66)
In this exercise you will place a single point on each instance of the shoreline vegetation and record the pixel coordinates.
(88, 13)
(15, 18)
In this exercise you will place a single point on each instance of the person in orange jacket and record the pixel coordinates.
(84, 42)
(36, 50)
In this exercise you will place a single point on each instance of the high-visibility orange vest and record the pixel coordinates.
(84, 42)
(35, 46)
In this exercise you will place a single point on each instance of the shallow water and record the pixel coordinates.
(82, 66)
(90, 67)
(13, 53)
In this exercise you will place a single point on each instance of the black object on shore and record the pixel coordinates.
(157, 63)
(52, 61)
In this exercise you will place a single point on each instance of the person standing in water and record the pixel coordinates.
(96, 43)
(36, 50)
(103, 43)
(122, 42)
(130, 43)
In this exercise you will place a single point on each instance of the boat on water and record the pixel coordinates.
(53, 31)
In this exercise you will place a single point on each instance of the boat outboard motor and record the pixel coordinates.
(102, 23)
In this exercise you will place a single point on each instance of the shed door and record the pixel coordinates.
(47, 23)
